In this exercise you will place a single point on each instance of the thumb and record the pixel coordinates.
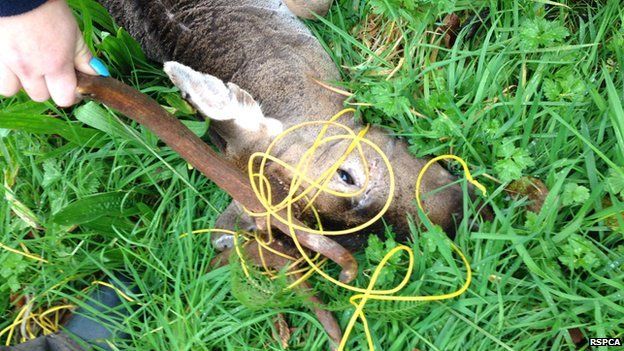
(83, 56)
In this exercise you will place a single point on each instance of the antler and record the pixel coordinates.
(142, 109)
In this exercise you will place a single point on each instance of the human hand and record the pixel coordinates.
(40, 51)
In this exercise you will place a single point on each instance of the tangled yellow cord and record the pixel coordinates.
(297, 192)
(262, 188)
(25, 315)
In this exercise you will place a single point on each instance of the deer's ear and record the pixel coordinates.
(219, 101)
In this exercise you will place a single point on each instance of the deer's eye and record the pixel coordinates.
(345, 177)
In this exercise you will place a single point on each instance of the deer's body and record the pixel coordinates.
(271, 57)
(257, 44)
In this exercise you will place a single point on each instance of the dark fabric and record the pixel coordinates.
(96, 323)
(52, 342)
(99, 319)
(16, 7)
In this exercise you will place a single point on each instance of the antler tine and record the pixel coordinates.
(144, 110)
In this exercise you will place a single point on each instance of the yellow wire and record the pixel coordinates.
(10, 329)
(45, 327)
(28, 329)
(119, 292)
(55, 309)
(445, 157)
(305, 276)
(320, 184)
(298, 179)
(298, 192)
(50, 326)
(25, 254)
(18, 320)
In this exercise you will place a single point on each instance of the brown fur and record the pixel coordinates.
(264, 49)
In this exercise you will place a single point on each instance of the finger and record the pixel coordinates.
(62, 85)
(36, 88)
(83, 56)
(9, 83)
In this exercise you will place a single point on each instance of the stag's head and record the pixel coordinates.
(354, 176)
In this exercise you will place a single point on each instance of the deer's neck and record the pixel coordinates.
(259, 45)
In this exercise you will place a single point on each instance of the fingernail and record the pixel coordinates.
(99, 67)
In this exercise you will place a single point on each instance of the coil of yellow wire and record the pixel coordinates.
(303, 188)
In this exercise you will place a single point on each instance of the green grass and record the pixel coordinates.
(537, 91)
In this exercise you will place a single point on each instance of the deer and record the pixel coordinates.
(252, 67)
